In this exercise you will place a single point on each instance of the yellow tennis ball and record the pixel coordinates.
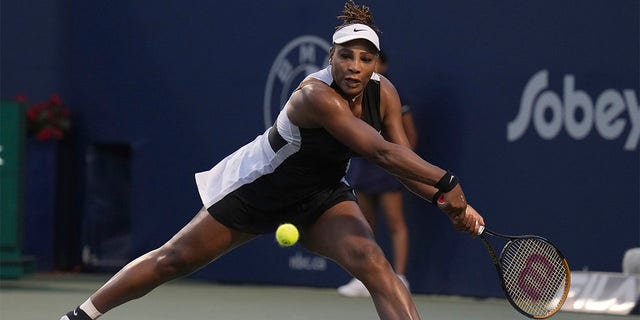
(287, 235)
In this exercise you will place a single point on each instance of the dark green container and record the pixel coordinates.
(12, 136)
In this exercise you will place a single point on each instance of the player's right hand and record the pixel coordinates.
(470, 221)
(463, 216)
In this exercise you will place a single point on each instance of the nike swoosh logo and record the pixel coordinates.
(358, 30)
(451, 179)
(75, 312)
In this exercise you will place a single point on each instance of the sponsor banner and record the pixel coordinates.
(262, 261)
(610, 114)
(602, 292)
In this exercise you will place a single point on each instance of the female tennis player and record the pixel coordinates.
(294, 172)
(377, 190)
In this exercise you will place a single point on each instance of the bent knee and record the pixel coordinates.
(171, 263)
(364, 257)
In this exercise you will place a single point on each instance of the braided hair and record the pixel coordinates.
(353, 13)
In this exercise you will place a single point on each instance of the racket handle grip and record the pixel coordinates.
(441, 203)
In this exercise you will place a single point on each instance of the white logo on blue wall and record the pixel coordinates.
(613, 113)
(300, 57)
(306, 262)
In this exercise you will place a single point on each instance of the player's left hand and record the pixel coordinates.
(453, 203)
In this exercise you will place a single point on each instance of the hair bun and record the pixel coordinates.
(353, 13)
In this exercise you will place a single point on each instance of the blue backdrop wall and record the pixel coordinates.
(533, 103)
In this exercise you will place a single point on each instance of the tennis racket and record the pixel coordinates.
(534, 274)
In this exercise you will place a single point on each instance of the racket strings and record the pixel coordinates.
(535, 275)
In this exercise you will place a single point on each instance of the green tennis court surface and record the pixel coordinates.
(48, 296)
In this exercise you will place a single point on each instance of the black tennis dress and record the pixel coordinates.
(287, 174)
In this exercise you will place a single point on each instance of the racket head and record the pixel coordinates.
(535, 276)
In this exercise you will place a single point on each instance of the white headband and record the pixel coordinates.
(356, 31)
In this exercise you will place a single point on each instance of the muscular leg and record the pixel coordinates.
(391, 203)
(342, 234)
(201, 241)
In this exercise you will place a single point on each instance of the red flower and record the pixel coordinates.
(32, 114)
(47, 120)
(55, 100)
(48, 133)
(44, 134)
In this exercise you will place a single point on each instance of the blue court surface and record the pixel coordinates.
(47, 296)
